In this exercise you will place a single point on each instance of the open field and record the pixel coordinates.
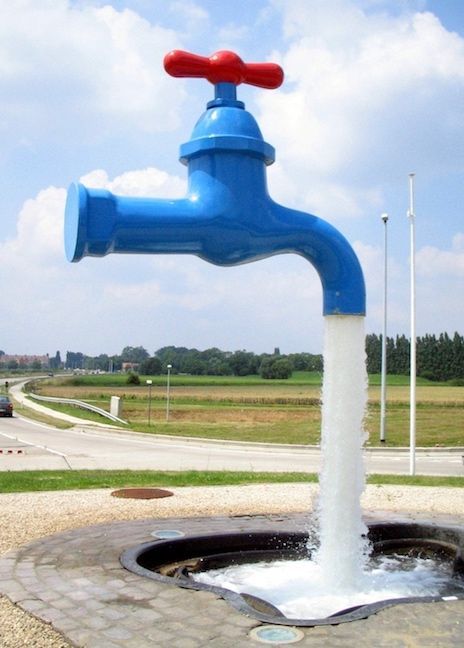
(251, 409)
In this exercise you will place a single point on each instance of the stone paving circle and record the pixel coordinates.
(75, 582)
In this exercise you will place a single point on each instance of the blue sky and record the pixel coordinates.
(374, 89)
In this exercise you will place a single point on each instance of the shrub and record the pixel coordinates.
(456, 382)
(429, 375)
(133, 378)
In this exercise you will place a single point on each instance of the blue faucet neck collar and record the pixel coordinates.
(225, 94)
(226, 127)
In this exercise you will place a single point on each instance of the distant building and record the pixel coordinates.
(130, 366)
(25, 360)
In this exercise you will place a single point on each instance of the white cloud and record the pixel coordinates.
(144, 182)
(131, 80)
(39, 232)
(367, 96)
(231, 35)
(372, 262)
(458, 242)
(193, 12)
(320, 195)
(433, 262)
(59, 62)
(439, 274)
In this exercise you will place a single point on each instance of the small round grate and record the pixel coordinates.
(277, 635)
(167, 534)
(141, 493)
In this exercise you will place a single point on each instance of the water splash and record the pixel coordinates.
(299, 590)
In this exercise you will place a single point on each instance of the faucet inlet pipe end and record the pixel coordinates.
(227, 216)
(75, 231)
(89, 221)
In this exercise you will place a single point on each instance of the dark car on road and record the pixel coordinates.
(6, 406)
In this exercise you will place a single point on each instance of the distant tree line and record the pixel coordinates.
(211, 362)
(437, 357)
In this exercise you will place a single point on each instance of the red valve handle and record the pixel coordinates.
(223, 66)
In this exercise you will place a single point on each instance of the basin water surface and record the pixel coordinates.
(271, 575)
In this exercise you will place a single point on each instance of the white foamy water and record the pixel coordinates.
(342, 552)
(299, 588)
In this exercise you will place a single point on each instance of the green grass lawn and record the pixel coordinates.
(79, 412)
(305, 377)
(54, 480)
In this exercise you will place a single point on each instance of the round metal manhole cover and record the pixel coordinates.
(141, 493)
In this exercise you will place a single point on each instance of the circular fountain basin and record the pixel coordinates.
(179, 561)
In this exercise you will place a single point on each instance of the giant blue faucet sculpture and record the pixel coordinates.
(227, 216)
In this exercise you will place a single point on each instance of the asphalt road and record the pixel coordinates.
(26, 445)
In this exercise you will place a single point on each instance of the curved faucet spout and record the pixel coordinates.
(334, 259)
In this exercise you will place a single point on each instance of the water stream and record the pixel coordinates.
(341, 532)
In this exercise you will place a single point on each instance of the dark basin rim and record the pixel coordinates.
(451, 536)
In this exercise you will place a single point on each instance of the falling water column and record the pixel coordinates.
(342, 550)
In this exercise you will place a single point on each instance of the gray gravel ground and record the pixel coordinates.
(27, 516)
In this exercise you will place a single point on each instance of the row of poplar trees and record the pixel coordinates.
(438, 357)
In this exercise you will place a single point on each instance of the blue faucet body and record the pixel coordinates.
(227, 216)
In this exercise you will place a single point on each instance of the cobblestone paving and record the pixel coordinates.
(75, 582)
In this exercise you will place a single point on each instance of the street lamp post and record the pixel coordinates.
(149, 383)
(383, 390)
(169, 367)
(412, 369)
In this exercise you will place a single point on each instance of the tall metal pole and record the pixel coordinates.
(383, 388)
(412, 371)
(149, 383)
(168, 392)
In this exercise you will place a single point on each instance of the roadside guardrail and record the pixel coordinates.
(78, 403)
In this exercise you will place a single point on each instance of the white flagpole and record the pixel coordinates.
(412, 371)
(383, 389)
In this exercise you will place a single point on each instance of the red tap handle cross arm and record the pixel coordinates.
(223, 66)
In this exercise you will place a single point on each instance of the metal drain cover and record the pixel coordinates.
(141, 493)
(277, 635)
(167, 534)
